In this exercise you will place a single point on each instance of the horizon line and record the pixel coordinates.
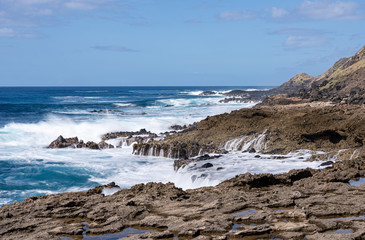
(154, 86)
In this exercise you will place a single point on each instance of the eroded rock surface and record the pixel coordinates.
(74, 142)
(296, 205)
(278, 129)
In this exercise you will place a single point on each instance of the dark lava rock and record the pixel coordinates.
(62, 142)
(327, 163)
(207, 93)
(207, 157)
(252, 150)
(114, 135)
(207, 165)
(92, 145)
(183, 128)
(104, 145)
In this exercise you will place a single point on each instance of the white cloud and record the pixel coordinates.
(329, 9)
(321, 10)
(11, 33)
(278, 12)
(300, 37)
(83, 6)
(7, 32)
(236, 16)
(19, 15)
(305, 41)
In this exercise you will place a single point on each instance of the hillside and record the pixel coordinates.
(344, 82)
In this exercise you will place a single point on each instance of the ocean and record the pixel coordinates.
(32, 117)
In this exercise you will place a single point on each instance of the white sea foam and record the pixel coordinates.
(73, 112)
(42, 133)
(124, 104)
(25, 143)
(232, 164)
(188, 102)
(110, 191)
(4, 200)
(254, 89)
(194, 93)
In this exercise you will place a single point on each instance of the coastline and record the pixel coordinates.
(324, 115)
(305, 198)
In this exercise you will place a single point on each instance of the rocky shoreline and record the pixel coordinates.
(311, 204)
(307, 203)
(278, 129)
(325, 113)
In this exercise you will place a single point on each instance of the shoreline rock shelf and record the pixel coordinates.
(293, 205)
(269, 130)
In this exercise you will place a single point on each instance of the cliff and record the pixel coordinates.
(344, 82)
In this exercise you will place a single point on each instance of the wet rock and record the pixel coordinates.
(207, 93)
(327, 163)
(251, 150)
(62, 142)
(92, 145)
(114, 135)
(104, 145)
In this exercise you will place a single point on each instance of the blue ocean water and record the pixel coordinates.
(32, 117)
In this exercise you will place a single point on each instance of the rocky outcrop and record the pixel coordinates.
(184, 128)
(127, 134)
(343, 83)
(295, 205)
(242, 96)
(74, 142)
(268, 129)
(208, 93)
(62, 142)
(300, 82)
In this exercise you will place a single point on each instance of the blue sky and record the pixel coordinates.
(173, 42)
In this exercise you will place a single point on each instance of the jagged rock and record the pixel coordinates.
(114, 135)
(61, 142)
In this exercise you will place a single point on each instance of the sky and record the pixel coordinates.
(174, 42)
